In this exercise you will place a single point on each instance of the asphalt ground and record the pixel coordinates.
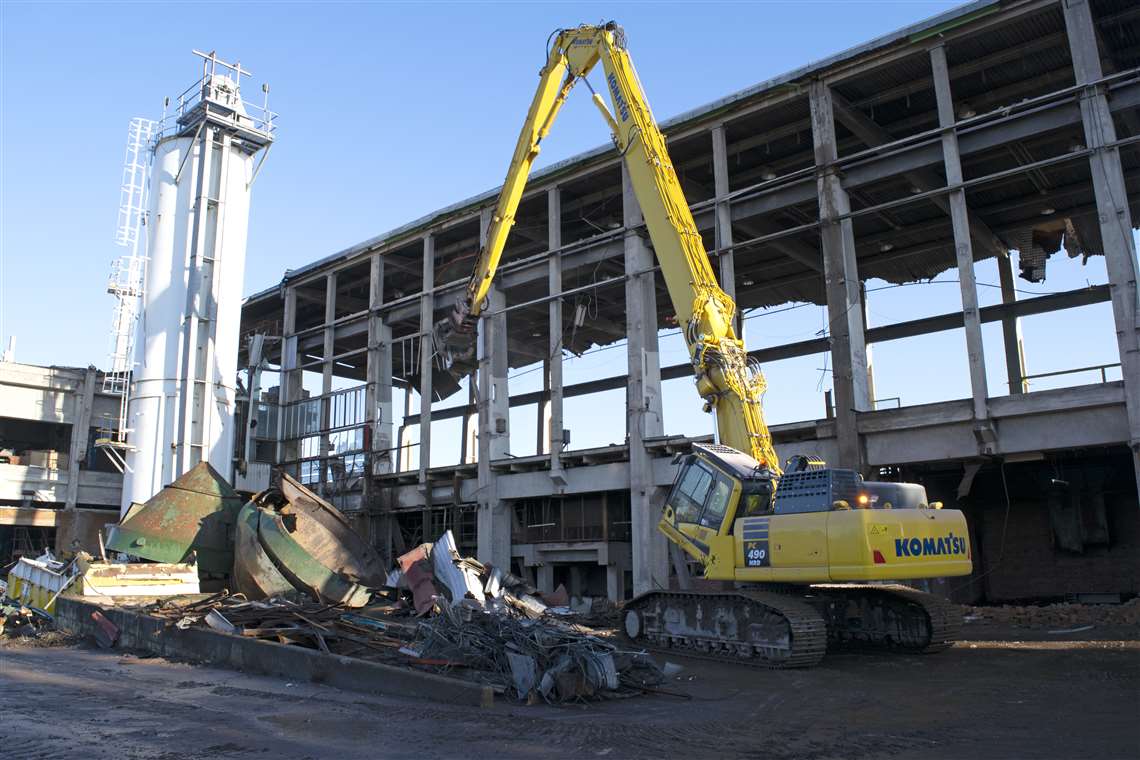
(1006, 693)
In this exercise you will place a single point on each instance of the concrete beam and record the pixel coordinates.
(963, 249)
(153, 634)
(894, 331)
(925, 179)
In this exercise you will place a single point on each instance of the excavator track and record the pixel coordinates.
(791, 629)
(889, 615)
(746, 626)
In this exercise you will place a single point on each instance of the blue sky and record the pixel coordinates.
(389, 111)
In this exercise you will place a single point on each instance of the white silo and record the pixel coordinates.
(182, 397)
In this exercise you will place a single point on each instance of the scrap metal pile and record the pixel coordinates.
(17, 620)
(495, 623)
(535, 659)
(304, 577)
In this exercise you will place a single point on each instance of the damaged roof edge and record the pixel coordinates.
(920, 30)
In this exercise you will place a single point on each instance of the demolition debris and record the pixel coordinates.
(448, 615)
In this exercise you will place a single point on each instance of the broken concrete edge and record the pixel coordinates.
(140, 631)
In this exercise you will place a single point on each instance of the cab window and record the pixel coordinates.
(755, 498)
(693, 488)
(718, 503)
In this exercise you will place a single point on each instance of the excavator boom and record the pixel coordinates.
(730, 385)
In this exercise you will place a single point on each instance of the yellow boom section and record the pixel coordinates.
(731, 386)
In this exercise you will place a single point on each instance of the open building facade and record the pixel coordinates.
(57, 488)
(996, 127)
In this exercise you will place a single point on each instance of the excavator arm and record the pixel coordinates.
(729, 383)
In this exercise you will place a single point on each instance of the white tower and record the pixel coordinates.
(181, 408)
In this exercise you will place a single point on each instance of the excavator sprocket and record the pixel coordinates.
(745, 626)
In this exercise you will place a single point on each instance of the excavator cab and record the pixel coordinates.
(715, 485)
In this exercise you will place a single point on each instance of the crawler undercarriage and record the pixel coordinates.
(791, 627)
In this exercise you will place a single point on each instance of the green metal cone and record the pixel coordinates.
(195, 513)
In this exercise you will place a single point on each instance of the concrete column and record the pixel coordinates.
(868, 350)
(80, 434)
(722, 224)
(1011, 330)
(290, 382)
(575, 580)
(494, 520)
(427, 354)
(643, 399)
(1112, 208)
(542, 419)
(554, 285)
(404, 455)
(841, 277)
(329, 350)
(546, 578)
(469, 445)
(379, 371)
(984, 430)
(615, 587)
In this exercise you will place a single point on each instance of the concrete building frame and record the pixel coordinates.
(915, 162)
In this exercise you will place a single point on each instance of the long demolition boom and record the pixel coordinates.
(729, 383)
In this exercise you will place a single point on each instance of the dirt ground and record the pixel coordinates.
(1005, 693)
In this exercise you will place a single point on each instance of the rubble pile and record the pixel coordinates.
(18, 618)
(548, 659)
(445, 614)
(328, 627)
(19, 621)
(1059, 615)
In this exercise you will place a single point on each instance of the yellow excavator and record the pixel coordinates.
(808, 549)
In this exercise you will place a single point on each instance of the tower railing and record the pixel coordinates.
(207, 91)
